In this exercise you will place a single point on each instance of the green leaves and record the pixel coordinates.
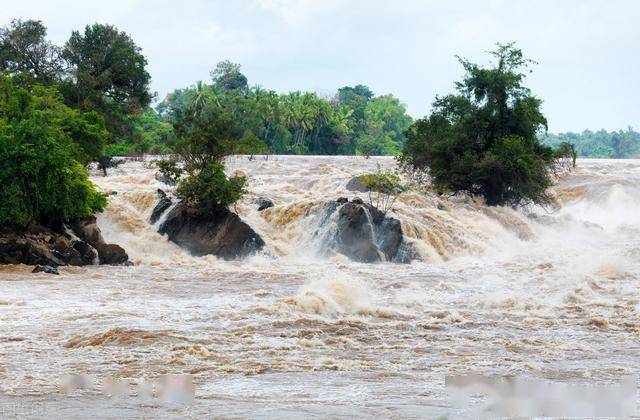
(207, 188)
(483, 140)
(41, 177)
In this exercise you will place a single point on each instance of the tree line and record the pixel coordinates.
(622, 144)
(353, 121)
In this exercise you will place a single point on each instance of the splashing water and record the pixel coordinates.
(540, 293)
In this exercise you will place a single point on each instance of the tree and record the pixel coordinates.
(25, 50)
(41, 176)
(385, 120)
(228, 77)
(483, 139)
(205, 135)
(108, 76)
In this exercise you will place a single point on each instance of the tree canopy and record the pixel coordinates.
(43, 144)
(25, 50)
(354, 121)
(483, 139)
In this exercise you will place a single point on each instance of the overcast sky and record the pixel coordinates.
(588, 51)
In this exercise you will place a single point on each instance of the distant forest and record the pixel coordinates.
(600, 144)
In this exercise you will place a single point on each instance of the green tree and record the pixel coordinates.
(205, 135)
(41, 178)
(483, 140)
(228, 77)
(108, 76)
(25, 50)
(385, 119)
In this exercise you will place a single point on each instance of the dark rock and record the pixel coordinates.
(441, 206)
(113, 193)
(45, 269)
(263, 203)
(87, 230)
(164, 202)
(363, 233)
(357, 200)
(39, 245)
(357, 184)
(355, 237)
(30, 250)
(219, 232)
(342, 200)
(112, 254)
(129, 263)
(166, 180)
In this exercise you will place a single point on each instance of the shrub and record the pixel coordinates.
(209, 188)
(384, 188)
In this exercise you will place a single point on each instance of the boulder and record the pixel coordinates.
(342, 200)
(263, 203)
(45, 269)
(219, 232)
(357, 200)
(39, 245)
(30, 250)
(354, 236)
(88, 231)
(357, 184)
(164, 202)
(363, 233)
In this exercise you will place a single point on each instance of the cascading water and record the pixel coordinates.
(543, 293)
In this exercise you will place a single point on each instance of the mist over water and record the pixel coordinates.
(543, 293)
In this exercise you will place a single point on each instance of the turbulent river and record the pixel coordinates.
(548, 294)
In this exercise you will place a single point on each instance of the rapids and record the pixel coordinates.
(542, 293)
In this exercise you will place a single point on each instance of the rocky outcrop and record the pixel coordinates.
(219, 232)
(357, 184)
(88, 231)
(263, 203)
(164, 202)
(79, 244)
(363, 233)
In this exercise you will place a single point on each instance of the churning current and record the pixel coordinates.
(542, 293)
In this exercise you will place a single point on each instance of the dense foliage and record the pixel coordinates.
(600, 144)
(42, 145)
(353, 122)
(62, 108)
(483, 140)
(204, 136)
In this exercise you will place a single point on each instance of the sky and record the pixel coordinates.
(588, 51)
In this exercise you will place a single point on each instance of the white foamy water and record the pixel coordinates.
(543, 294)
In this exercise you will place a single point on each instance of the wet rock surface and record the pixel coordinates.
(219, 232)
(88, 231)
(264, 203)
(357, 184)
(363, 233)
(79, 244)
(164, 202)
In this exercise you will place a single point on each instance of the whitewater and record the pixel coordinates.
(546, 293)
